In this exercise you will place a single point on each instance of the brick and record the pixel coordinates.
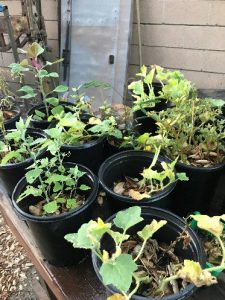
(151, 11)
(52, 29)
(50, 9)
(14, 7)
(217, 13)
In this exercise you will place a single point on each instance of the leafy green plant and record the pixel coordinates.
(57, 186)
(121, 269)
(193, 131)
(17, 145)
(144, 99)
(34, 65)
(153, 179)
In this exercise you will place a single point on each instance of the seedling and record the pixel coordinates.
(57, 187)
(122, 270)
(17, 145)
(153, 179)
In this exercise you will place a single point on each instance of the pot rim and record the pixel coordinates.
(90, 199)
(123, 154)
(15, 108)
(28, 160)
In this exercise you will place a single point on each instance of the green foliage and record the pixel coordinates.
(49, 179)
(128, 218)
(17, 145)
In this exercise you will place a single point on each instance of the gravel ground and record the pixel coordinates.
(16, 271)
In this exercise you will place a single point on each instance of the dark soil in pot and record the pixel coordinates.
(131, 163)
(166, 234)
(44, 124)
(49, 231)
(196, 194)
(11, 116)
(11, 173)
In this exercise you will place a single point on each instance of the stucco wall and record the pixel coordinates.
(183, 34)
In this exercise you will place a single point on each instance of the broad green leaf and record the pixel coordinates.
(119, 272)
(30, 190)
(149, 77)
(61, 89)
(118, 237)
(84, 187)
(39, 113)
(11, 155)
(128, 217)
(51, 207)
(210, 224)
(32, 175)
(193, 273)
(71, 203)
(81, 239)
(56, 178)
(97, 229)
(57, 187)
(53, 101)
(54, 133)
(34, 50)
(58, 110)
(148, 231)
(61, 200)
(216, 102)
(43, 73)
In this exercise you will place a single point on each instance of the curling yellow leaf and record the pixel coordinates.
(211, 224)
(137, 195)
(95, 121)
(148, 231)
(193, 273)
(116, 297)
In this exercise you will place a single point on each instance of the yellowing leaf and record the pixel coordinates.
(119, 188)
(34, 50)
(105, 256)
(148, 231)
(24, 62)
(116, 297)
(137, 195)
(95, 121)
(211, 224)
(193, 273)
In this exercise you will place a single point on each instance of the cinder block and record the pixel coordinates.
(151, 11)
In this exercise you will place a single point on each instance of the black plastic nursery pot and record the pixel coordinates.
(11, 173)
(196, 194)
(112, 147)
(166, 234)
(49, 231)
(90, 154)
(143, 123)
(44, 124)
(131, 163)
(11, 123)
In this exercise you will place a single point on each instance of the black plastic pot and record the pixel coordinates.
(11, 173)
(131, 163)
(143, 123)
(44, 124)
(197, 193)
(11, 123)
(166, 234)
(49, 231)
(113, 148)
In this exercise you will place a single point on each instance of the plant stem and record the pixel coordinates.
(141, 250)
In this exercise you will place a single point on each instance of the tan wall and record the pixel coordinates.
(49, 11)
(183, 34)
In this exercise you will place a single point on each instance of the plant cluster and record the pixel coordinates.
(57, 186)
(122, 269)
(17, 145)
(154, 178)
(7, 97)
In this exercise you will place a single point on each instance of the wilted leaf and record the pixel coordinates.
(116, 297)
(34, 50)
(211, 224)
(148, 231)
(137, 195)
(119, 188)
(193, 273)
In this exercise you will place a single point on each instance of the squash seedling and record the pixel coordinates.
(128, 271)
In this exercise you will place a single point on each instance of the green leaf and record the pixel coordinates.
(148, 231)
(30, 190)
(61, 89)
(61, 200)
(97, 84)
(57, 111)
(128, 217)
(84, 187)
(9, 156)
(54, 133)
(81, 239)
(53, 74)
(182, 176)
(51, 207)
(56, 178)
(53, 101)
(71, 203)
(39, 113)
(32, 175)
(29, 92)
(119, 272)
(43, 74)
(216, 102)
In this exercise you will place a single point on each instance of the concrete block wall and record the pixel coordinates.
(183, 34)
(50, 13)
